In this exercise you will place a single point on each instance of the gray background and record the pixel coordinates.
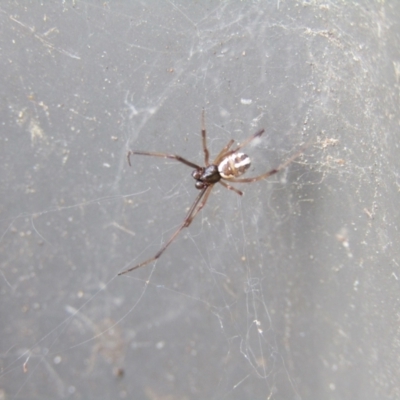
(290, 292)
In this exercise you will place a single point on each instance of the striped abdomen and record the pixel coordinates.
(234, 165)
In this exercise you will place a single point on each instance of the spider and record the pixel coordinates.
(227, 166)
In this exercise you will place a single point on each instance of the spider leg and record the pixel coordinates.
(204, 140)
(272, 171)
(256, 178)
(231, 188)
(194, 210)
(223, 152)
(248, 140)
(163, 155)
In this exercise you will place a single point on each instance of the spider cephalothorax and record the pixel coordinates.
(206, 176)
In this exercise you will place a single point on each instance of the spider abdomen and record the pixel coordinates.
(234, 165)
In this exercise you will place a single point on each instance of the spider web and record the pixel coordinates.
(289, 292)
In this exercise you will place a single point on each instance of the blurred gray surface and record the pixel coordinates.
(290, 292)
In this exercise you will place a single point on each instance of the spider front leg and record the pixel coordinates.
(162, 155)
(194, 210)
(204, 140)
